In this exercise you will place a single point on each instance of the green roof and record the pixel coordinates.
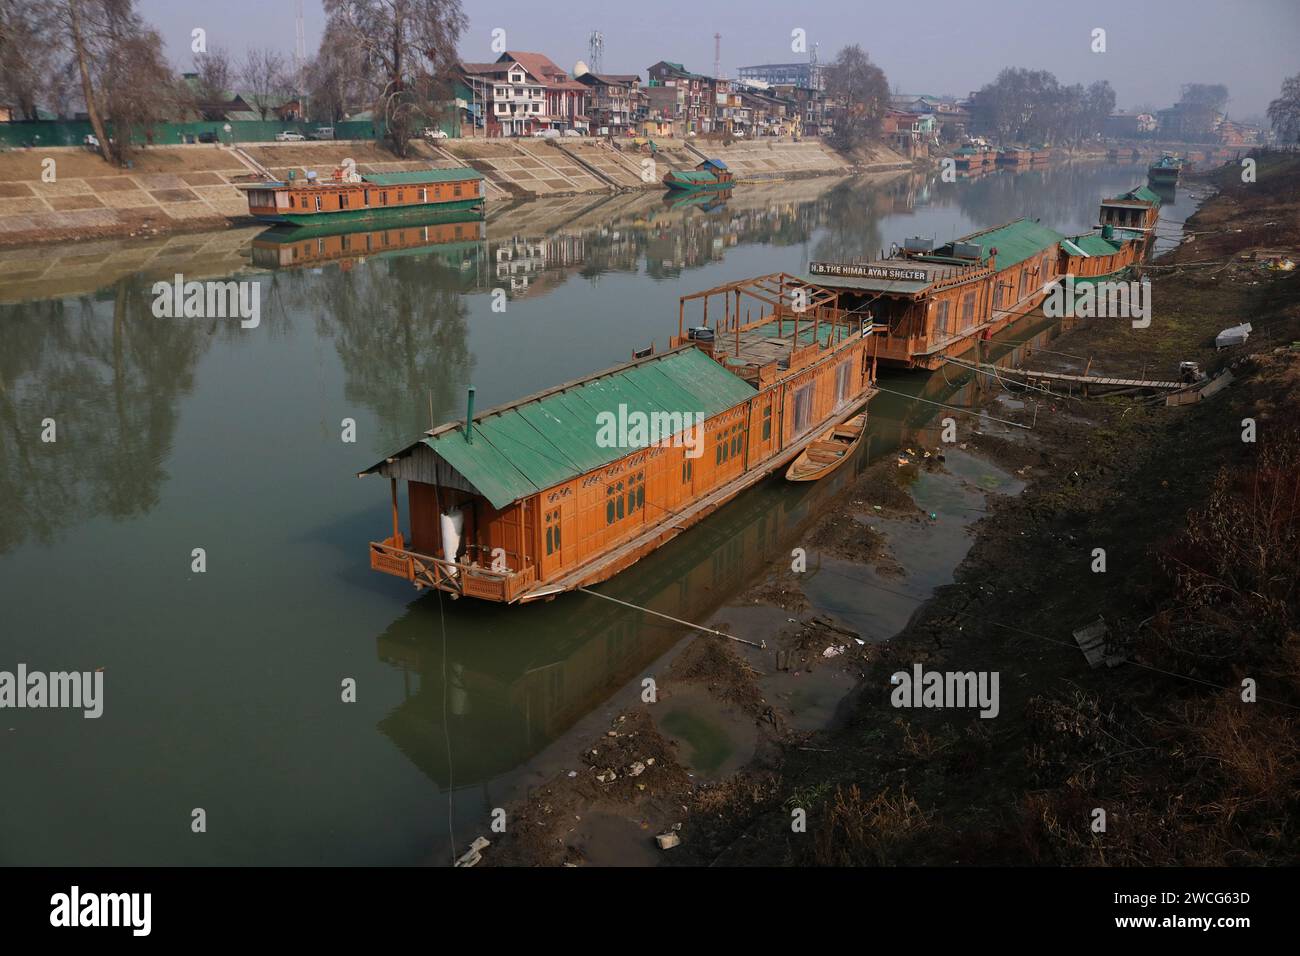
(1015, 242)
(417, 177)
(1141, 193)
(519, 450)
(1092, 244)
(695, 176)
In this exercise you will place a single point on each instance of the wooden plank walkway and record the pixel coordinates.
(1091, 380)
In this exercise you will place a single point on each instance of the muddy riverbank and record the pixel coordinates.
(983, 557)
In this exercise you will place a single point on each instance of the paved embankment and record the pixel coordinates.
(184, 188)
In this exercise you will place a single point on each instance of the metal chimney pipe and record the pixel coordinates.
(469, 416)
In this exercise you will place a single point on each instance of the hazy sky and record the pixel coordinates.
(938, 47)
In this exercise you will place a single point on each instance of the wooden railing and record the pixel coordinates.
(471, 580)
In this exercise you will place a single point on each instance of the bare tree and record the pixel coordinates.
(29, 54)
(265, 78)
(215, 76)
(335, 82)
(407, 49)
(1284, 112)
(118, 61)
(861, 95)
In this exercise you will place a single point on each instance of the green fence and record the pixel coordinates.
(74, 132)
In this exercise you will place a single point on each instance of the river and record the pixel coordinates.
(222, 689)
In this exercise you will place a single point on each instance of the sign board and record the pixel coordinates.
(856, 270)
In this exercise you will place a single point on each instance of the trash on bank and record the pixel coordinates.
(474, 855)
(1233, 335)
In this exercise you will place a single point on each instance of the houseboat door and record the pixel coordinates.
(553, 526)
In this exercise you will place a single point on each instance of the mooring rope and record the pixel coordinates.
(675, 620)
(917, 398)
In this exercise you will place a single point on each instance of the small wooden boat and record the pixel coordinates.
(828, 450)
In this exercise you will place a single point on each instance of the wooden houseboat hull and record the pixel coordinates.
(419, 213)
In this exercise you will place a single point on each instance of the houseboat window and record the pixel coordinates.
(767, 422)
(842, 379)
(343, 200)
(365, 197)
(400, 198)
(968, 310)
(424, 194)
(456, 189)
(1046, 268)
(383, 199)
(687, 470)
(738, 442)
(318, 203)
(1024, 283)
(803, 408)
(290, 200)
(941, 320)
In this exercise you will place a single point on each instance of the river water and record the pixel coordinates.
(222, 689)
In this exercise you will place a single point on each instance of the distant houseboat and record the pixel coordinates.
(531, 499)
(351, 197)
(1015, 156)
(710, 174)
(1165, 171)
(927, 303)
(972, 159)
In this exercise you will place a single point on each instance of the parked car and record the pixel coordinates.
(571, 132)
(208, 137)
(433, 132)
(321, 132)
(546, 134)
(91, 142)
(288, 137)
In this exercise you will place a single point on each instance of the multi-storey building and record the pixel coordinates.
(613, 99)
(699, 94)
(524, 92)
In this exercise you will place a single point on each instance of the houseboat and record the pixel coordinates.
(927, 303)
(710, 174)
(349, 196)
(1165, 171)
(537, 497)
(974, 159)
(1015, 156)
(454, 234)
(1124, 236)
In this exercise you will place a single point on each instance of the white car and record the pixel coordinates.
(287, 137)
(571, 132)
(546, 133)
(434, 133)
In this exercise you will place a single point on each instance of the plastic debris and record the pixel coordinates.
(668, 840)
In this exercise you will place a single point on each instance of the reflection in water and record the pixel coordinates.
(180, 433)
(110, 376)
